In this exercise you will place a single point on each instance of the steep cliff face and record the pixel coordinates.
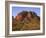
(26, 21)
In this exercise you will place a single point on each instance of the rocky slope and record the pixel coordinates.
(26, 21)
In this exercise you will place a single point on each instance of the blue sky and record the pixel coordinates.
(16, 10)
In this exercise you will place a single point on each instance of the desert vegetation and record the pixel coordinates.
(26, 20)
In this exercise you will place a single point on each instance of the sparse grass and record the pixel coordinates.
(34, 24)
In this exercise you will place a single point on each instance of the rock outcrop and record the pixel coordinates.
(26, 21)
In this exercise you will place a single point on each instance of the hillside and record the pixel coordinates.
(26, 21)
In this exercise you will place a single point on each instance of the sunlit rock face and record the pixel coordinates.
(25, 14)
(18, 18)
(26, 20)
